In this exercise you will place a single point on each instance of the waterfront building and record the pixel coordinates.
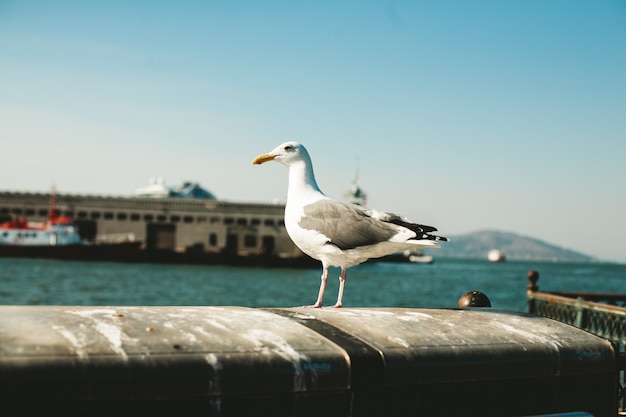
(187, 219)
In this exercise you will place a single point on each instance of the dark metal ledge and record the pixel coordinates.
(290, 362)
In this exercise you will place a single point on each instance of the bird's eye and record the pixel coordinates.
(288, 148)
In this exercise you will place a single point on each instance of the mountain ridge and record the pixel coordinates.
(514, 246)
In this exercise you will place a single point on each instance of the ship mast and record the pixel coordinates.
(53, 203)
(357, 195)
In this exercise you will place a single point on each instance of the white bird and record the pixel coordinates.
(335, 233)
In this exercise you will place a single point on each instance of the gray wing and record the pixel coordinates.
(347, 226)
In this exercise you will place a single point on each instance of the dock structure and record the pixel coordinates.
(601, 314)
(235, 361)
(177, 225)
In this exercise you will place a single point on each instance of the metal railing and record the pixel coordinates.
(602, 314)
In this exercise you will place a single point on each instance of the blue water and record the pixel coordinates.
(49, 282)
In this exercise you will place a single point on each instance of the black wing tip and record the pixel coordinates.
(427, 236)
(426, 233)
(418, 229)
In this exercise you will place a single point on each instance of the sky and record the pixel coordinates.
(499, 115)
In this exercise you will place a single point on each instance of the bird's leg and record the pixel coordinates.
(342, 283)
(320, 296)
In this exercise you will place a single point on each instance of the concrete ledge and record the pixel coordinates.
(238, 361)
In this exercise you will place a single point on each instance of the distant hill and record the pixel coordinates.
(514, 246)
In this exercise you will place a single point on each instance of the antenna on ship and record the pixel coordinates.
(56, 216)
(54, 212)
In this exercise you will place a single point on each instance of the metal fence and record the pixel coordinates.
(602, 314)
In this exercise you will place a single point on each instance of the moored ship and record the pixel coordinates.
(58, 237)
(57, 230)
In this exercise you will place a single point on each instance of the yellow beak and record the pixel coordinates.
(262, 158)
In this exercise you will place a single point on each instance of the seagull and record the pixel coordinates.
(338, 234)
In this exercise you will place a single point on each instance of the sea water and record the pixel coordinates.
(380, 284)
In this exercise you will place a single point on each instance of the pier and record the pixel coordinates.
(181, 227)
(234, 361)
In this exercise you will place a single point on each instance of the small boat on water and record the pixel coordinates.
(411, 255)
(496, 255)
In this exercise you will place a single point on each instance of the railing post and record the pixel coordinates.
(533, 277)
(580, 308)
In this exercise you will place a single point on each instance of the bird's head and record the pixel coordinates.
(286, 154)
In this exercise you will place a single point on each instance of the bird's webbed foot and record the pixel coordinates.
(316, 305)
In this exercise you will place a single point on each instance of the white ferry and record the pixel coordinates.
(56, 231)
(58, 237)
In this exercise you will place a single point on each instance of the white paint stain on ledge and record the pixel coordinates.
(271, 343)
(108, 325)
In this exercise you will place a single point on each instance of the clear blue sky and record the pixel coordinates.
(467, 115)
